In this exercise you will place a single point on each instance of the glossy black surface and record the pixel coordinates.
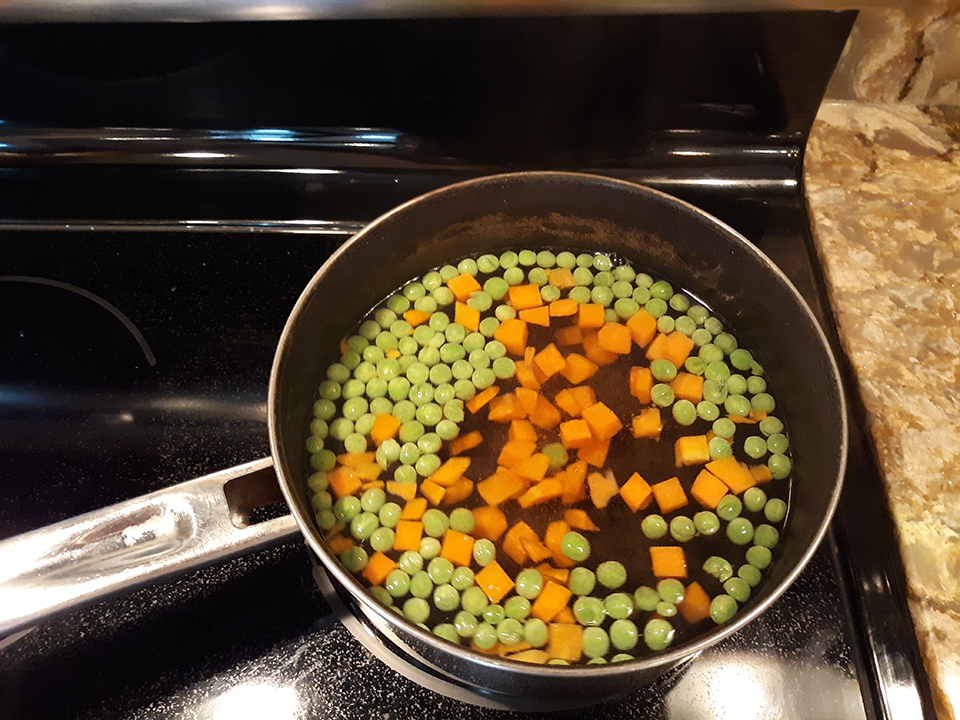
(134, 355)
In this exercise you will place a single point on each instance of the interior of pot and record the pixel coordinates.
(568, 211)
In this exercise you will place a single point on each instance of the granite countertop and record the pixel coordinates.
(883, 186)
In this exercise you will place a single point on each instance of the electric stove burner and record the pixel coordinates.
(377, 637)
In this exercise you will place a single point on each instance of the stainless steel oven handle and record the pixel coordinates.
(137, 542)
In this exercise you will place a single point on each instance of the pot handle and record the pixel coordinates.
(137, 542)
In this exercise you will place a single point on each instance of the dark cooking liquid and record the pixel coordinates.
(620, 537)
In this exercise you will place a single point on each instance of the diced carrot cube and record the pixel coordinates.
(513, 542)
(467, 316)
(490, 522)
(536, 316)
(615, 338)
(691, 450)
(569, 335)
(416, 317)
(602, 489)
(528, 399)
(553, 539)
(655, 349)
(368, 472)
(536, 550)
(636, 493)
(482, 398)
(563, 308)
(579, 369)
(462, 286)
(567, 401)
(457, 548)
(695, 605)
(530, 655)
(451, 471)
(668, 561)
(575, 433)
(343, 481)
(494, 581)
(647, 424)
(432, 492)
(603, 422)
(761, 473)
(353, 460)
(515, 451)
(677, 347)
(466, 442)
(458, 492)
(526, 376)
(641, 383)
(590, 316)
(523, 297)
(687, 386)
(669, 495)
(540, 493)
(561, 278)
(414, 509)
(522, 430)
(757, 415)
(558, 575)
(584, 395)
(549, 361)
(545, 415)
(501, 486)
(407, 535)
(378, 567)
(512, 332)
(566, 642)
(579, 520)
(708, 489)
(733, 473)
(405, 490)
(593, 351)
(595, 452)
(643, 326)
(551, 600)
(339, 544)
(533, 468)
(506, 408)
(574, 482)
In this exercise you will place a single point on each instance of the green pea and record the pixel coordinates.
(448, 273)
(641, 296)
(314, 444)
(557, 455)
(777, 443)
(662, 395)
(447, 430)
(646, 598)
(740, 531)
(347, 508)
(656, 307)
(389, 514)
(440, 570)
(724, 428)
(737, 385)
(484, 552)
(326, 519)
(583, 276)
(430, 442)
(601, 295)
(322, 501)
(665, 324)
(722, 608)
(510, 631)
(324, 461)
(504, 312)
(685, 326)
(719, 568)
(429, 415)
(318, 481)
(698, 313)
(737, 406)
(682, 529)
(666, 609)
(619, 605)
(701, 338)
(462, 520)
(580, 295)
(596, 642)
(738, 589)
(755, 446)
(654, 527)
(535, 632)
(517, 607)
(780, 466)
(435, 522)
(706, 522)
(581, 581)
(354, 558)
(504, 368)
(397, 389)
(754, 499)
(446, 631)
(465, 624)
(444, 393)
(611, 574)
(440, 374)
(443, 296)
(626, 308)
(363, 525)
(684, 412)
(405, 474)
(446, 598)
(719, 448)
(658, 634)
(373, 499)
(624, 634)
(763, 401)
(589, 610)
(711, 355)
(575, 546)
(416, 610)
(462, 370)
(397, 583)
(750, 575)
(421, 585)
(775, 510)
(766, 536)
(411, 562)
(463, 578)
(429, 547)
(494, 614)
(622, 290)
(529, 583)
(729, 507)
(770, 425)
(537, 276)
(708, 411)
(759, 556)
(381, 595)
(756, 385)
(324, 409)
(474, 600)
(381, 406)
(663, 370)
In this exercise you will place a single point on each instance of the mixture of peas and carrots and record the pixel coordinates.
(550, 457)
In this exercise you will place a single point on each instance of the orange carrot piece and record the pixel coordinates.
(569, 335)
(343, 481)
(529, 655)
(647, 424)
(553, 539)
(563, 308)
(668, 562)
(687, 386)
(733, 473)
(490, 521)
(602, 489)
(515, 451)
(757, 415)
(542, 492)
(378, 567)
(416, 317)
(566, 642)
(407, 535)
(595, 452)
(353, 460)
(458, 492)
(636, 493)
(551, 600)
(545, 415)
(512, 332)
(432, 492)
(494, 581)
(525, 375)
(603, 422)
(533, 468)
(742, 420)
(523, 297)
(561, 278)
(482, 398)
(513, 542)
(462, 286)
(677, 347)
(669, 495)
(614, 337)
(655, 349)
(549, 361)
(536, 316)
(579, 520)
(708, 489)
(691, 450)
(643, 326)
(584, 395)
(761, 473)
(641, 383)
(593, 351)
(574, 482)
(501, 486)
(536, 550)
(575, 433)
(506, 408)
(451, 471)
(567, 401)
(457, 548)
(522, 430)
(590, 316)
(466, 442)
(528, 399)
(405, 490)
(579, 369)
(558, 575)
(414, 509)
(339, 544)
(467, 316)
(695, 605)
